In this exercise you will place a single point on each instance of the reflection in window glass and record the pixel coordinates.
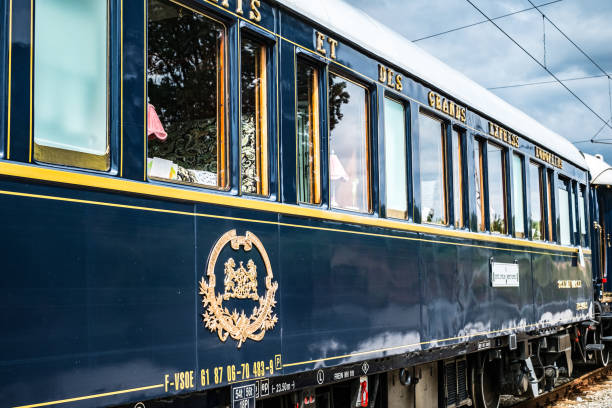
(457, 180)
(308, 156)
(564, 214)
(185, 123)
(348, 145)
(573, 210)
(70, 83)
(395, 159)
(479, 183)
(497, 189)
(582, 215)
(518, 207)
(253, 140)
(535, 197)
(432, 171)
(551, 214)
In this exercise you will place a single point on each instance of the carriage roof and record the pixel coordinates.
(366, 32)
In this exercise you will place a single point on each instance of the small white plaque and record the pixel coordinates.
(504, 275)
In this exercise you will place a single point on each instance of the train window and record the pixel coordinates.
(535, 197)
(573, 204)
(497, 188)
(254, 137)
(518, 206)
(432, 171)
(348, 145)
(308, 140)
(564, 212)
(71, 83)
(186, 91)
(549, 200)
(479, 182)
(582, 215)
(457, 178)
(395, 159)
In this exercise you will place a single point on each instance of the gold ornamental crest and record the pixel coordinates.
(240, 283)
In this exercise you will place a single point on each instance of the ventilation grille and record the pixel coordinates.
(456, 383)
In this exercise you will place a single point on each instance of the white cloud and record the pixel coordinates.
(484, 54)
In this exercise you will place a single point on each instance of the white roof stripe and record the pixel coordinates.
(601, 172)
(358, 27)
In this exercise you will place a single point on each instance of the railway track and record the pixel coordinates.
(567, 390)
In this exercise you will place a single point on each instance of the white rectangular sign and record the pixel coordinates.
(504, 275)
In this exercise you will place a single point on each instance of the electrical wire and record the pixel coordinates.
(549, 82)
(483, 21)
(540, 64)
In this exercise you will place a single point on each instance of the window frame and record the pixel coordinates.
(369, 145)
(524, 198)
(541, 190)
(41, 154)
(224, 142)
(320, 68)
(399, 99)
(479, 142)
(504, 165)
(444, 136)
(265, 166)
(565, 184)
(462, 171)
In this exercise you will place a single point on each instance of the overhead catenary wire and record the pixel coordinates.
(569, 39)
(540, 64)
(483, 21)
(544, 18)
(548, 82)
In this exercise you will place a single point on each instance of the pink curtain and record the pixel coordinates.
(155, 129)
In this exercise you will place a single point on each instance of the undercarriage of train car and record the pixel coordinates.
(479, 374)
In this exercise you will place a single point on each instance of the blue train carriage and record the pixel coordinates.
(255, 202)
(601, 180)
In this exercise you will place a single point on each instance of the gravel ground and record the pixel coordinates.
(597, 395)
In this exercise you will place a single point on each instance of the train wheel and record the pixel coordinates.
(603, 356)
(485, 382)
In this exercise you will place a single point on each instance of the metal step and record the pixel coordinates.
(595, 347)
(607, 339)
(605, 316)
(589, 323)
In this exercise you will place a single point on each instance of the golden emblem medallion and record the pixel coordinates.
(240, 283)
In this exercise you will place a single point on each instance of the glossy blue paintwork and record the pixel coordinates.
(101, 295)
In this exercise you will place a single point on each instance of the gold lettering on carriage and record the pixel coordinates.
(446, 106)
(240, 282)
(254, 13)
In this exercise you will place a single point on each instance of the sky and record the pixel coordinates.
(484, 54)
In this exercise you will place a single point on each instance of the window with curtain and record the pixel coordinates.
(186, 96)
(395, 159)
(308, 139)
(549, 198)
(433, 170)
(518, 206)
(70, 121)
(348, 145)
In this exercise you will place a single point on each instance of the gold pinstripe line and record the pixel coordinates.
(86, 397)
(173, 193)
(283, 224)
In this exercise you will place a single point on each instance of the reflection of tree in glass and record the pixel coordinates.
(250, 82)
(498, 224)
(337, 96)
(182, 71)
